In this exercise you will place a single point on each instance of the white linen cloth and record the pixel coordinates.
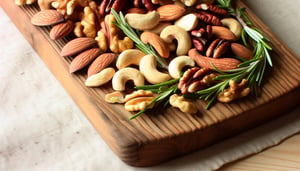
(41, 128)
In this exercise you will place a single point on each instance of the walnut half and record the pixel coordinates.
(234, 91)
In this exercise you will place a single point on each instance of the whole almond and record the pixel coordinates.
(158, 44)
(223, 33)
(61, 30)
(83, 59)
(47, 18)
(170, 12)
(222, 64)
(241, 51)
(77, 45)
(101, 62)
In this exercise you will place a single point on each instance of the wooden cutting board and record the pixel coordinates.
(156, 137)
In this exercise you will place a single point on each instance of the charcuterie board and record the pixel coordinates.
(161, 135)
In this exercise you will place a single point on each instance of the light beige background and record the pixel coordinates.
(41, 128)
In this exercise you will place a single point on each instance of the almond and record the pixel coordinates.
(47, 17)
(101, 62)
(222, 64)
(83, 59)
(77, 45)
(223, 33)
(61, 30)
(170, 12)
(241, 51)
(158, 44)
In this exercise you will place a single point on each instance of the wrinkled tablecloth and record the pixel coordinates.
(41, 128)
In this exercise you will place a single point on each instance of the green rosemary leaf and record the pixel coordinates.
(228, 76)
(211, 102)
(170, 82)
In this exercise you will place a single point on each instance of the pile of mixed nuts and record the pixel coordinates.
(195, 39)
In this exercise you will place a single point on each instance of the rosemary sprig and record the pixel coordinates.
(254, 69)
(165, 90)
(134, 36)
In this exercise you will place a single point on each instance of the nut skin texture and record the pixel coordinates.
(77, 45)
(143, 21)
(208, 18)
(177, 64)
(150, 72)
(158, 44)
(184, 42)
(100, 63)
(217, 48)
(241, 51)
(125, 74)
(195, 79)
(47, 18)
(100, 78)
(129, 57)
(170, 12)
(61, 30)
(83, 59)
(222, 64)
(223, 33)
(183, 104)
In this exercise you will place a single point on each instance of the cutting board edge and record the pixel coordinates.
(122, 148)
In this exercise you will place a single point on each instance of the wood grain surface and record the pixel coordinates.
(161, 135)
(282, 157)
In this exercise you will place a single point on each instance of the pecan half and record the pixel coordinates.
(211, 8)
(208, 18)
(196, 79)
(217, 48)
(107, 5)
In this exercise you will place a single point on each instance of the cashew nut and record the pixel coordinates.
(189, 3)
(129, 57)
(233, 26)
(151, 74)
(100, 78)
(183, 38)
(178, 63)
(123, 75)
(143, 21)
(187, 22)
(159, 27)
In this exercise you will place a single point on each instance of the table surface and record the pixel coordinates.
(283, 19)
